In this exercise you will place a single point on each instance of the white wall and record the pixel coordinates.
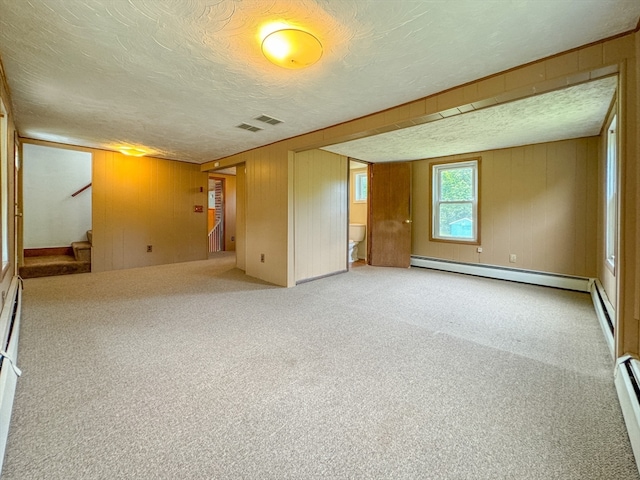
(52, 218)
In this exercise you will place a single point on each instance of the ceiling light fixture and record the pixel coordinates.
(292, 48)
(132, 151)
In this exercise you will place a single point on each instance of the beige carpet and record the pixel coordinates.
(195, 371)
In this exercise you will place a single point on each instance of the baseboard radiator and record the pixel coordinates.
(9, 372)
(627, 378)
(567, 282)
(605, 313)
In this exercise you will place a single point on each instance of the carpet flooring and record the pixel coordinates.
(196, 371)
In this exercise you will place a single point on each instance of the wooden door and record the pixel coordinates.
(389, 241)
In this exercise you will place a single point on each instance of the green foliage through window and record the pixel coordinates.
(455, 199)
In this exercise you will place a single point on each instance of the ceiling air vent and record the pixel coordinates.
(268, 119)
(246, 126)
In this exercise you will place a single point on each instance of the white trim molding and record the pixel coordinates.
(626, 378)
(9, 371)
(605, 313)
(567, 282)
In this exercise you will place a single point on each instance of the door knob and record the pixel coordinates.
(407, 221)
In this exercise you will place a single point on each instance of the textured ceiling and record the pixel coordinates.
(572, 112)
(177, 76)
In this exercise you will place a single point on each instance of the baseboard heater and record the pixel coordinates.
(567, 282)
(627, 376)
(605, 313)
(9, 372)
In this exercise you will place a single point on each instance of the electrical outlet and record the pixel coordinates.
(479, 250)
(512, 258)
(149, 248)
(233, 238)
(262, 257)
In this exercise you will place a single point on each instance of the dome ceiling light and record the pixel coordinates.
(132, 152)
(292, 48)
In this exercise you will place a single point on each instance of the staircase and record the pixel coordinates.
(81, 251)
(47, 262)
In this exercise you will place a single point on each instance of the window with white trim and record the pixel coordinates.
(454, 207)
(360, 187)
(611, 207)
(4, 187)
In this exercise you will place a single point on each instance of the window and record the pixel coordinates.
(361, 187)
(611, 207)
(454, 208)
(4, 188)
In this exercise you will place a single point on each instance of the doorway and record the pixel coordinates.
(390, 215)
(221, 211)
(358, 211)
(216, 215)
(57, 207)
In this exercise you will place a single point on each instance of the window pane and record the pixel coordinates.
(4, 187)
(611, 212)
(456, 184)
(361, 187)
(456, 220)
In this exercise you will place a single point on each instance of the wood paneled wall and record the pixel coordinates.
(320, 193)
(241, 213)
(538, 202)
(230, 192)
(267, 216)
(8, 145)
(628, 292)
(146, 201)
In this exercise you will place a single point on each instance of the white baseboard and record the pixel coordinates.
(627, 388)
(605, 313)
(9, 331)
(580, 284)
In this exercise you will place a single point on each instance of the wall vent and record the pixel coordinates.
(268, 119)
(246, 126)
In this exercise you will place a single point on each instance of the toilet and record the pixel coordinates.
(356, 235)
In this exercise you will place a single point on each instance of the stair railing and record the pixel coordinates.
(80, 191)
(215, 237)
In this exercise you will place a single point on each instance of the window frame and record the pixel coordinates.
(611, 199)
(435, 169)
(357, 198)
(4, 191)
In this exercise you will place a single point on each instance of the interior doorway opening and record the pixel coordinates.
(215, 215)
(57, 211)
(358, 212)
(221, 211)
